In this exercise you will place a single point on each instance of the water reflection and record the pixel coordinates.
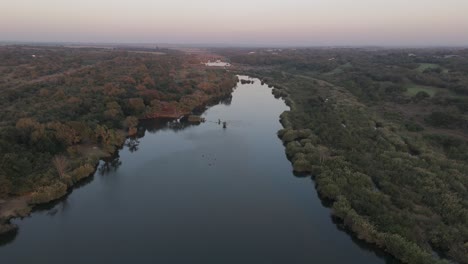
(226, 101)
(234, 185)
(154, 125)
(364, 245)
(132, 144)
(8, 238)
(53, 207)
(62, 206)
(109, 165)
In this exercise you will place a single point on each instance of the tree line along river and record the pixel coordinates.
(185, 193)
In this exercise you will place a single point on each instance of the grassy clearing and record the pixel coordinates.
(413, 89)
(424, 66)
(340, 69)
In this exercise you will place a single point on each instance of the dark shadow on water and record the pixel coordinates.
(61, 204)
(113, 163)
(226, 101)
(104, 167)
(52, 208)
(327, 203)
(132, 144)
(152, 125)
(8, 238)
(301, 174)
(380, 253)
(163, 124)
(363, 244)
(109, 165)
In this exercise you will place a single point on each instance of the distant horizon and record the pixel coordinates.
(297, 23)
(222, 45)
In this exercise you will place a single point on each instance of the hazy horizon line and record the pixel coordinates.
(225, 45)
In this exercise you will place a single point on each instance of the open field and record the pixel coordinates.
(424, 66)
(413, 89)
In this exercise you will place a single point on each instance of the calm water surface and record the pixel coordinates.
(194, 194)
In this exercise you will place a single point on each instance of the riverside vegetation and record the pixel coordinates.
(63, 109)
(384, 135)
(382, 132)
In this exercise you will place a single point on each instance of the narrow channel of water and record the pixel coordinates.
(194, 194)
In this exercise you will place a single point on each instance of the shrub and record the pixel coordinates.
(82, 172)
(48, 193)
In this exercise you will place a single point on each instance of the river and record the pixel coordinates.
(193, 194)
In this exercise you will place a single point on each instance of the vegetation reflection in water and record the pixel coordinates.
(181, 192)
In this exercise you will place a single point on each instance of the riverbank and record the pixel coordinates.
(336, 180)
(258, 211)
(17, 207)
(22, 206)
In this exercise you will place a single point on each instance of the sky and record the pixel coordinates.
(239, 22)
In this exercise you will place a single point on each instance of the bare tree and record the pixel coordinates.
(61, 165)
(324, 153)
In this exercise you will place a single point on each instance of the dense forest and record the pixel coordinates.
(63, 109)
(384, 135)
(383, 132)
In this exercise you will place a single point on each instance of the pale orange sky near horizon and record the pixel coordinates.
(259, 22)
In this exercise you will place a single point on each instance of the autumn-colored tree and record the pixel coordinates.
(128, 80)
(140, 87)
(38, 134)
(112, 90)
(149, 82)
(137, 105)
(64, 133)
(130, 121)
(44, 92)
(60, 94)
(74, 100)
(83, 130)
(101, 133)
(111, 114)
(25, 126)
